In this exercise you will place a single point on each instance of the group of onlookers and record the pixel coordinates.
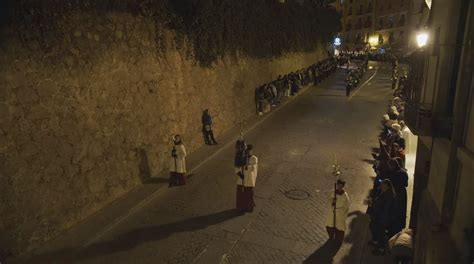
(355, 74)
(271, 94)
(388, 198)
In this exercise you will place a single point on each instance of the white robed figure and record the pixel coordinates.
(336, 219)
(178, 162)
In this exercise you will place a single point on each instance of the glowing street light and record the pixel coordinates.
(373, 41)
(422, 39)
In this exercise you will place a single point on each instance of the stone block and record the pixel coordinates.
(26, 94)
(38, 112)
(47, 88)
(118, 34)
(77, 33)
(29, 149)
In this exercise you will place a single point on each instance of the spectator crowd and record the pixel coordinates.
(271, 94)
(387, 201)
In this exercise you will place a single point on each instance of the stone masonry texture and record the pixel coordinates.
(77, 119)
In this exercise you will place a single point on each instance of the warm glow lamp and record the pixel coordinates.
(422, 39)
(373, 41)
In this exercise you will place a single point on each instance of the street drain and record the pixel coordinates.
(297, 194)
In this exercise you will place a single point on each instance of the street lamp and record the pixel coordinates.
(422, 39)
(373, 41)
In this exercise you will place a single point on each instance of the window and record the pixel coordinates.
(369, 8)
(350, 11)
(360, 10)
(359, 23)
(391, 37)
(367, 36)
(358, 38)
(401, 35)
(402, 21)
(381, 23)
(368, 22)
(390, 22)
(380, 39)
(348, 25)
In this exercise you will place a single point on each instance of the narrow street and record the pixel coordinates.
(296, 146)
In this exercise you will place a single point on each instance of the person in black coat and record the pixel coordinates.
(241, 156)
(399, 178)
(207, 128)
(380, 216)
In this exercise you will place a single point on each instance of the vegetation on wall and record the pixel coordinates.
(257, 28)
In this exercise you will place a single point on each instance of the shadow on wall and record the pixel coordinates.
(144, 171)
(130, 239)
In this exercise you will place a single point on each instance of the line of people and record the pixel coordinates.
(271, 94)
(355, 75)
(388, 197)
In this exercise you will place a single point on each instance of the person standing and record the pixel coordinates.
(380, 216)
(207, 128)
(241, 155)
(336, 220)
(178, 163)
(399, 178)
(246, 183)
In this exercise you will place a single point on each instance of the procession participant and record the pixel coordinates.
(208, 134)
(241, 155)
(178, 163)
(336, 219)
(246, 183)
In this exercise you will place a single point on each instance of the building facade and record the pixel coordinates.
(374, 23)
(440, 110)
(391, 24)
(357, 20)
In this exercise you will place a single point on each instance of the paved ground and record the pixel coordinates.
(296, 145)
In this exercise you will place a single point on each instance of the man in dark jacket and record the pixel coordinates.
(380, 216)
(399, 178)
(207, 128)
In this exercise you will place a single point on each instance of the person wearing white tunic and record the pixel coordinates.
(178, 163)
(246, 183)
(337, 227)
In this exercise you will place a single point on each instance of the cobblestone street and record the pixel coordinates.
(296, 145)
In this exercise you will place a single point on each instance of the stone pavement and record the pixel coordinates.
(296, 145)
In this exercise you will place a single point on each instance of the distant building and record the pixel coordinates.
(374, 23)
(357, 20)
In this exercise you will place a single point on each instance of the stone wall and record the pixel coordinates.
(78, 116)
